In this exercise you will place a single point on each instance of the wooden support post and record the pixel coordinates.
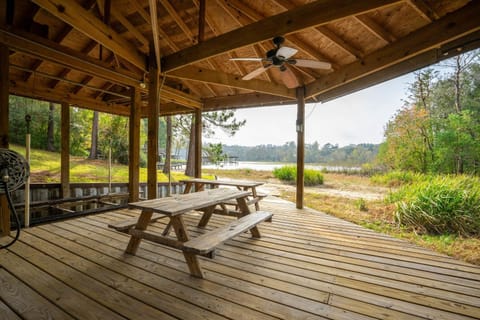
(65, 151)
(153, 105)
(4, 110)
(198, 143)
(134, 146)
(300, 145)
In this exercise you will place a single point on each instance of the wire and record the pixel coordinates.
(17, 220)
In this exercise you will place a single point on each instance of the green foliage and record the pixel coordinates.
(289, 174)
(361, 204)
(441, 204)
(397, 178)
(215, 153)
(438, 130)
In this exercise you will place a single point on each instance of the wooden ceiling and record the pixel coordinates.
(92, 52)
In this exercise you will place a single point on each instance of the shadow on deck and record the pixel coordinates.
(307, 265)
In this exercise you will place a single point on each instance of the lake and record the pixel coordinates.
(269, 166)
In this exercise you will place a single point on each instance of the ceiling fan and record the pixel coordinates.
(280, 57)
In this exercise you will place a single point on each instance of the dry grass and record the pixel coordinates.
(340, 196)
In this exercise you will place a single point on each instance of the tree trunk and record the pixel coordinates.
(168, 146)
(94, 142)
(190, 169)
(50, 129)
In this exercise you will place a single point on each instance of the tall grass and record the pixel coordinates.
(289, 174)
(439, 205)
(397, 178)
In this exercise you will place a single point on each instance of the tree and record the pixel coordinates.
(94, 140)
(223, 120)
(51, 128)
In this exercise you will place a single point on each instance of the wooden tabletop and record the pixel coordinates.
(235, 183)
(181, 203)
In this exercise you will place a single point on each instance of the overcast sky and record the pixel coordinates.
(356, 118)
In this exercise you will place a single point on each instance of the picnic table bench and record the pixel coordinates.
(175, 207)
(250, 186)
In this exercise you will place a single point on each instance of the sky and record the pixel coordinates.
(356, 118)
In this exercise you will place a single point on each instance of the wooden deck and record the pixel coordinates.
(307, 265)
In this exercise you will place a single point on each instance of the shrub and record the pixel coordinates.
(439, 205)
(397, 178)
(289, 174)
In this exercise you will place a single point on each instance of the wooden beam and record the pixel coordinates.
(375, 28)
(153, 121)
(134, 146)
(339, 42)
(154, 23)
(178, 20)
(433, 35)
(24, 90)
(309, 15)
(470, 42)
(424, 10)
(300, 145)
(4, 143)
(86, 22)
(249, 100)
(65, 151)
(53, 52)
(198, 143)
(230, 80)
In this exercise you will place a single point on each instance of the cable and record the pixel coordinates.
(17, 220)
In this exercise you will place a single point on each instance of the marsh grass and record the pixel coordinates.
(289, 174)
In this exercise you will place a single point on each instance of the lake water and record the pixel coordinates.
(269, 166)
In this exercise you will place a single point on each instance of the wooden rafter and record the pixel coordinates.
(375, 28)
(178, 20)
(306, 16)
(225, 79)
(84, 21)
(433, 35)
(341, 43)
(424, 10)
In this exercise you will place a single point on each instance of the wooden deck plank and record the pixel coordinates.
(7, 313)
(306, 265)
(24, 301)
(166, 266)
(71, 301)
(405, 307)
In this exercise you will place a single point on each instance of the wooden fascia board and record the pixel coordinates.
(229, 80)
(433, 35)
(59, 97)
(55, 53)
(180, 97)
(84, 21)
(249, 100)
(169, 108)
(309, 15)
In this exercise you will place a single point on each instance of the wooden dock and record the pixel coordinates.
(307, 265)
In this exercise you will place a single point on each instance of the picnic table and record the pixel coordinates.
(175, 207)
(251, 186)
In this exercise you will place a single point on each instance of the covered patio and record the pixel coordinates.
(151, 58)
(307, 265)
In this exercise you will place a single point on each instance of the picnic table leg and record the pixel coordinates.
(192, 260)
(244, 210)
(207, 214)
(254, 195)
(142, 224)
(188, 187)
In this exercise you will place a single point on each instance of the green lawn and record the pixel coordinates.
(45, 168)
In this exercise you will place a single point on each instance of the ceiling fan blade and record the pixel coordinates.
(286, 52)
(289, 79)
(246, 59)
(312, 64)
(256, 72)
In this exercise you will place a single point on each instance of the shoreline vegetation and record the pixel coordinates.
(355, 198)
